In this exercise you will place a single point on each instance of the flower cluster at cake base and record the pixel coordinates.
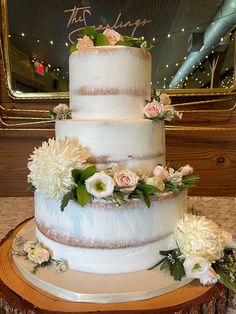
(90, 37)
(37, 255)
(160, 108)
(204, 251)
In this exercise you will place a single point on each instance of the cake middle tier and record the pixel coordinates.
(136, 144)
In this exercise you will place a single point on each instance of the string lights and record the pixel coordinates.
(170, 35)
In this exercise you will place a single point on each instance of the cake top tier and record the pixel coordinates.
(109, 81)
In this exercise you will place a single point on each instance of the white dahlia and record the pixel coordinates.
(51, 164)
(200, 236)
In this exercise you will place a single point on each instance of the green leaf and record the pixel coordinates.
(147, 188)
(166, 253)
(189, 181)
(143, 196)
(89, 31)
(73, 46)
(88, 172)
(76, 174)
(123, 43)
(100, 40)
(30, 187)
(224, 278)
(83, 197)
(177, 269)
(68, 196)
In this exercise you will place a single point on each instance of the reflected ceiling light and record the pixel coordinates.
(153, 39)
(38, 40)
(182, 29)
(164, 78)
(185, 58)
(23, 34)
(51, 42)
(168, 35)
(177, 64)
(49, 65)
(167, 65)
(9, 35)
(66, 44)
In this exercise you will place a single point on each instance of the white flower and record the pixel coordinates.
(161, 172)
(28, 246)
(209, 277)
(186, 170)
(169, 113)
(157, 182)
(175, 177)
(62, 111)
(194, 266)
(164, 99)
(126, 179)
(38, 255)
(61, 265)
(199, 236)
(100, 185)
(51, 164)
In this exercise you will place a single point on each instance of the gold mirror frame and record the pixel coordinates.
(65, 95)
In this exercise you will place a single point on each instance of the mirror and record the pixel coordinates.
(37, 35)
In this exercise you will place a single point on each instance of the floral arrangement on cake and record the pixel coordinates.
(59, 171)
(160, 108)
(38, 255)
(204, 251)
(90, 37)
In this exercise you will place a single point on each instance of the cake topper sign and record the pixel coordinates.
(79, 16)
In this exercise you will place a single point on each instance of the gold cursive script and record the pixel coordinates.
(80, 16)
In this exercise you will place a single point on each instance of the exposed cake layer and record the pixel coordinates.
(138, 144)
(109, 82)
(104, 238)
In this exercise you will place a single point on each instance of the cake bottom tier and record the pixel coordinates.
(103, 238)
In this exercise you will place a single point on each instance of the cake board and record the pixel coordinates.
(18, 294)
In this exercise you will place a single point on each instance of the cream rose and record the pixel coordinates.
(112, 36)
(126, 179)
(175, 177)
(186, 170)
(165, 99)
(38, 255)
(161, 172)
(153, 110)
(194, 266)
(228, 239)
(100, 185)
(84, 43)
(209, 277)
(28, 246)
(157, 182)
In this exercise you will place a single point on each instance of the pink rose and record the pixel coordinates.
(165, 99)
(153, 110)
(161, 172)
(186, 170)
(38, 255)
(42, 255)
(84, 43)
(112, 36)
(126, 179)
